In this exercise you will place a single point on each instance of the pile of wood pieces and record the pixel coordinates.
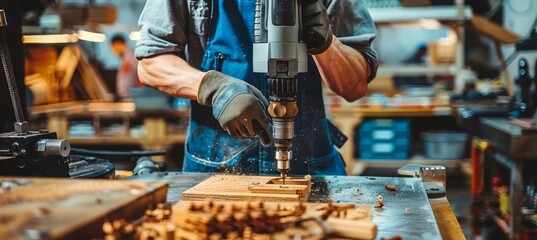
(254, 220)
(260, 220)
(248, 207)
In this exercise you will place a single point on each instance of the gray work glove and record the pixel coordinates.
(238, 106)
(317, 31)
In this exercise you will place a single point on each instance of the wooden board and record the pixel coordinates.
(44, 208)
(249, 188)
(446, 219)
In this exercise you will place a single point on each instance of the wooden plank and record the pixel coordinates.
(280, 189)
(292, 181)
(37, 208)
(447, 221)
(248, 188)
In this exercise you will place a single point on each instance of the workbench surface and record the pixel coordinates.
(407, 211)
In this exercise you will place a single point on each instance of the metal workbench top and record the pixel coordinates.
(407, 211)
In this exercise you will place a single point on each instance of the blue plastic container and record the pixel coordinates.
(384, 139)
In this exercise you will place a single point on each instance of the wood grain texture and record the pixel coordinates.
(249, 188)
(70, 209)
(447, 222)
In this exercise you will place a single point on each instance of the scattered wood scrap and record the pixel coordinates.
(390, 187)
(379, 203)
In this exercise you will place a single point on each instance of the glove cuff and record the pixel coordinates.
(326, 45)
(209, 85)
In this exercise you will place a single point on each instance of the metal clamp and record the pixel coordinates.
(432, 176)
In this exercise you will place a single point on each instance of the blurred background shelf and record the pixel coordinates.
(441, 13)
(347, 119)
(416, 70)
(362, 165)
(119, 140)
(93, 123)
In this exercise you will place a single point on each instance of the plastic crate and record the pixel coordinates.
(380, 139)
(384, 129)
(384, 150)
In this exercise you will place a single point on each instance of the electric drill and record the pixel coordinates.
(280, 52)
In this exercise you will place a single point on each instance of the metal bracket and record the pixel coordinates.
(432, 176)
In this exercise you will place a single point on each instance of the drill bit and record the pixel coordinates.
(282, 162)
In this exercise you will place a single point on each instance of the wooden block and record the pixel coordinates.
(281, 189)
(249, 188)
(352, 228)
(291, 181)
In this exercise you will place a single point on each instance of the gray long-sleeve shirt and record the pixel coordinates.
(181, 27)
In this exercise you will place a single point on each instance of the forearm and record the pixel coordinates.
(170, 74)
(344, 70)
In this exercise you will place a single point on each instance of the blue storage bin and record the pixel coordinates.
(384, 129)
(384, 139)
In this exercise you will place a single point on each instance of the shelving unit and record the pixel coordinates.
(347, 119)
(456, 14)
(363, 165)
(513, 148)
(417, 69)
(157, 135)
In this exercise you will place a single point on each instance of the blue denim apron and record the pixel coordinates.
(210, 149)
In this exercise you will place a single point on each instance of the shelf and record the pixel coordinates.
(441, 13)
(390, 112)
(362, 165)
(124, 140)
(416, 70)
(113, 140)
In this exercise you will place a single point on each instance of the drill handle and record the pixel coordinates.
(262, 133)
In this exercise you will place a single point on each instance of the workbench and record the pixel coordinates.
(407, 212)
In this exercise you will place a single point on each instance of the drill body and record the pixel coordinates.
(280, 52)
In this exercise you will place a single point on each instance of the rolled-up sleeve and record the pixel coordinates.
(162, 28)
(353, 26)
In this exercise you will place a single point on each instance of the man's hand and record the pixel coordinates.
(238, 106)
(317, 32)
